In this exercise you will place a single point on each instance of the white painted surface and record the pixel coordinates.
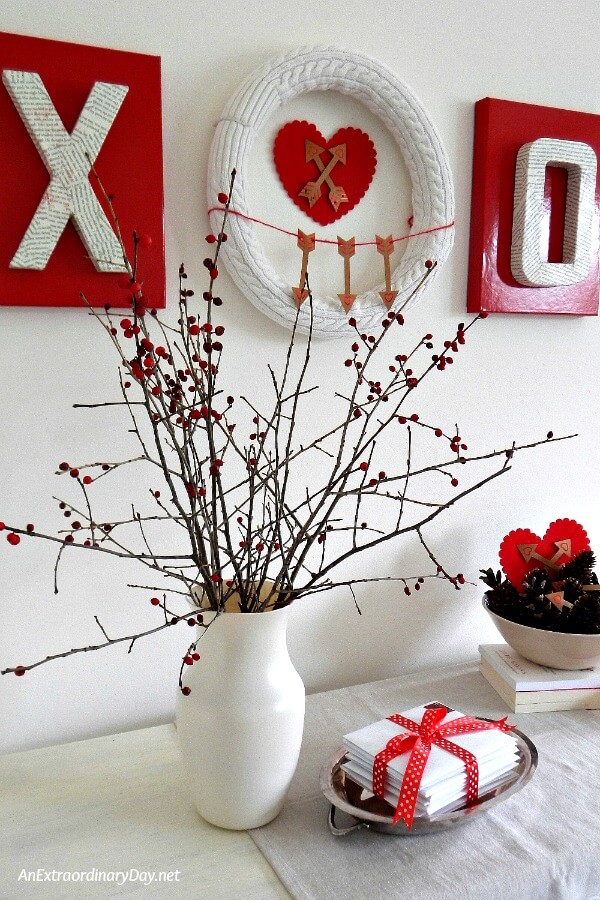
(117, 810)
(516, 377)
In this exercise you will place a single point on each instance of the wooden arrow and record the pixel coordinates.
(528, 552)
(312, 189)
(385, 246)
(306, 242)
(347, 249)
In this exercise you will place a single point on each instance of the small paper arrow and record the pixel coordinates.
(558, 599)
(306, 242)
(347, 249)
(385, 246)
(526, 550)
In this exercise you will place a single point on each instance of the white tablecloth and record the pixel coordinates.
(542, 843)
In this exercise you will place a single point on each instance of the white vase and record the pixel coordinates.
(240, 727)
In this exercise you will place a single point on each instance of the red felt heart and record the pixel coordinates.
(318, 182)
(522, 550)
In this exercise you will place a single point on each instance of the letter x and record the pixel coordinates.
(68, 158)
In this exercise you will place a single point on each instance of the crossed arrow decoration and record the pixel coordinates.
(563, 548)
(312, 189)
(528, 552)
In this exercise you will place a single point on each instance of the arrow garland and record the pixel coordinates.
(346, 247)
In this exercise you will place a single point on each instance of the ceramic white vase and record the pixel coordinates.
(240, 727)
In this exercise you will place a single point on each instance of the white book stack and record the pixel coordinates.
(443, 786)
(527, 687)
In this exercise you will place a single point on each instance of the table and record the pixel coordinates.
(113, 804)
(120, 804)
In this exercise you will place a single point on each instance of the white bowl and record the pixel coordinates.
(549, 648)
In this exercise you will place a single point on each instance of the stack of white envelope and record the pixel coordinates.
(443, 786)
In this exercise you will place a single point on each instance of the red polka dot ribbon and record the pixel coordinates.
(422, 735)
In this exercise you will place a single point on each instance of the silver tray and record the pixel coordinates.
(367, 811)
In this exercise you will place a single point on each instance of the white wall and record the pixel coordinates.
(516, 378)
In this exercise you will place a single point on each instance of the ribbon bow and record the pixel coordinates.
(422, 735)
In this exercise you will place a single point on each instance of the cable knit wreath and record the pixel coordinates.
(366, 79)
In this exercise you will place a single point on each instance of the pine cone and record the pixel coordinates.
(580, 567)
(502, 598)
(584, 618)
(536, 610)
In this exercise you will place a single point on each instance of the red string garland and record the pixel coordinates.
(294, 234)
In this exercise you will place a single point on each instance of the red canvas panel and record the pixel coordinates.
(129, 163)
(502, 127)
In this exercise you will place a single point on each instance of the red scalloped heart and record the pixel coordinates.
(522, 550)
(350, 178)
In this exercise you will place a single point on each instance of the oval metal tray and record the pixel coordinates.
(370, 812)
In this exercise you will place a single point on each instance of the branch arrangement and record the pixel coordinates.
(234, 483)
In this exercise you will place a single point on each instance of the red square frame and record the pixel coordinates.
(501, 128)
(130, 164)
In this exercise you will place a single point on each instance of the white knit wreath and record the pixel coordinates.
(376, 86)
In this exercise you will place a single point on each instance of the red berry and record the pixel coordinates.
(188, 660)
(222, 198)
(135, 287)
(2, 526)
(438, 432)
(30, 527)
(195, 657)
(191, 621)
(145, 241)
(454, 482)
(186, 690)
(20, 670)
(215, 578)
(64, 467)
(210, 239)
(13, 539)
(155, 601)
(74, 473)
(428, 264)
(88, 479)
(363, 466)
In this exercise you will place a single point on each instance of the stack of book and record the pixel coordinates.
(444, 782)
(527, 687)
